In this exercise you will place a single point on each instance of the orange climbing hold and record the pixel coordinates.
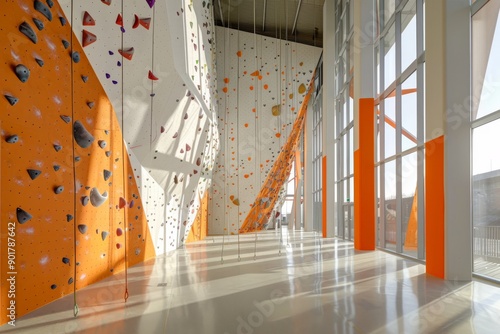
(251, 87)
(255, 74)
(145, 22)
(127, 53)
(239, 53)
(151, 76)
(278, 134)
(266, 86)
(226, 80)
(224, 89)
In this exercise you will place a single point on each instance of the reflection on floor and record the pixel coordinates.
(314, 286)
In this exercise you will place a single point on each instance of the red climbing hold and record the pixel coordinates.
(151, 76)
(88, 20)
(122, 203)
(106, 2)
(119, 20)
(88, 38)
(145, 22)
(127, 53)
(136, 21)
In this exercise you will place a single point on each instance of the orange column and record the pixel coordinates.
(323, 195)
(434, 206)
(364, 178)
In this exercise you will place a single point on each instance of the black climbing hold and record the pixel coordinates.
(85, 78)
(12, 100)
(53, 286)
(39, 62)
(77, 159)
(85, 200)
(50, 3)
(22, 216)
(108, 153)
(26, 30)
(66, 119)
(82, 228)
(107, 174)
(83, 138)
(12, 139)
(102, 143)
(104, 234)
(34, 173)
(65, 260)
(57, 147)
(75, 56)
(58, 190)
(56, 167)
(90, 104)
(22, 73)
(63, 20)
(69, 218)
(70, 281)
(39, 24)
(65, 43)
(39, 6)
(106, 132)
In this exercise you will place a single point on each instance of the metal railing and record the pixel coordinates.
(486, 241)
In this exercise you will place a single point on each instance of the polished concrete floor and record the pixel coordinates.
(314, 286)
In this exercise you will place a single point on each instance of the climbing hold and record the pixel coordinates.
(276, 110)
(56, 167)
(119, 231)
(22, 72)
(176, 180)
(88, 38)
(195, 171)
(26, 30)
(136, 21)
(88, 20)
(302, 89)
(82, 228)
(66, 119)
(145, 22)
(65, 43)
(77, 159)
(63, 20)
(137, 251)
(151, 3)
(107, 174)
(188, 148)
(162, 129)
(85, 200)
(12, 139)
(85, 78)
(75, 56)
(65, 260)
(69, 218)
(175, 135)
(39, 62)
(114, 82)
(104, 234)
(58, 190)
(96, 199)
(34, 173)
(12, 100)
(186, 116)
(236, 202)
(102, 143)
(122, 203)
(70, 281)
(50, 3)
(119, 20)
(108, 153)
(151, 76)
(53, 286)
(39, 24)
(83, 138)
(118, 246)
(90, 104)
(106, 2)
(22, 216)
(198, 161)
(39, 6)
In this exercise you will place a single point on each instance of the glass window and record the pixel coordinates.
(409, 112)
(390, 205)
(409, 203)
(389, 9)
(389, 58)
(409, 34)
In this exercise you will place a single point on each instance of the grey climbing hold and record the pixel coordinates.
(50, 3)
(65, 260)
(39, 24)
(26, 30)
(22, 216)
(75, 56)
(34, 173)
(85, 78)
(70, 281)
(66, 119)
(137, 251)
(39, 6)
(69, 218)
(63, 20)
(102, 143)
(58, 190)
(12, 100)
(22, 73)
(57, 147)
(104, 234)
(96, 199)
(12, 139)
(56, 167)
(53, 286)
(65, 43)
(39, 62)
(106, 132)
(85, 200)
(83, 138)
(82, 228)
(77, 159)
(90, 104)
(108, 153)
(107, 174)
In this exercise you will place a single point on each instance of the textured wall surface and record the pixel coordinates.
(67, 186)
(262, 82)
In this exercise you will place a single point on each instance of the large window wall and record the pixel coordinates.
(317, 153)
(344, 117)
(485, 120)
(399, 72)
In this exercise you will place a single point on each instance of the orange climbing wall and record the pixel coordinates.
(199, 228)
(45, 265)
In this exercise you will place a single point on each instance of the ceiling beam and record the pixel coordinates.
(296, 17)
(221, 16)
(264, 16)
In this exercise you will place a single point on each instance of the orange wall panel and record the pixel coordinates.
(199, 228)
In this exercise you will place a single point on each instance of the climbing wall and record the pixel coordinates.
(68, 189)
(262, 84)
(168, 121)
